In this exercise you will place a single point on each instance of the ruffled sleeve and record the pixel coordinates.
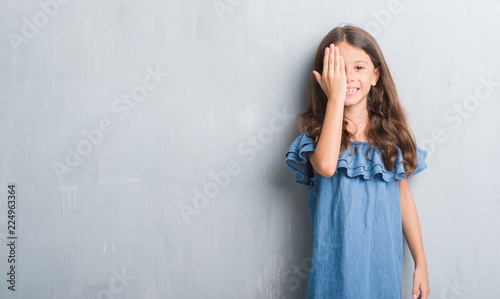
(421, 156)
(296, 158)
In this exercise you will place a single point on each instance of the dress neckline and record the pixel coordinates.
(360, 141)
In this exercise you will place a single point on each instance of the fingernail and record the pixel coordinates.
(414, 296)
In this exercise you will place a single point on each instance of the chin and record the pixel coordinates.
(353, 101)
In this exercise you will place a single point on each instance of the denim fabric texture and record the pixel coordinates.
(356, 222)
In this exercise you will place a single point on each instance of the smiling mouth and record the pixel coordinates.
(352, 91)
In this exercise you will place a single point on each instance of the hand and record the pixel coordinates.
(333, 81)
(420, 282)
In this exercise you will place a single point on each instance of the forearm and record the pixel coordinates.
(327, 149)
(412, 233)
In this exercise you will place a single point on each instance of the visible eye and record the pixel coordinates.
(359, 67)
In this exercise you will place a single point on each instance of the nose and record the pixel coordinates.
(349, 76)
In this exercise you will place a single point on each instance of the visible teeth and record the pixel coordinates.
(352, 90)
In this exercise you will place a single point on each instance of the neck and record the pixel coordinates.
(357, 119)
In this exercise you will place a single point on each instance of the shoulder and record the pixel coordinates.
(421, 160)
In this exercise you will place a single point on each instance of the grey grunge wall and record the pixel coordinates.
(142, 143)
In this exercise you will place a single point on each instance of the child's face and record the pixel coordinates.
(360, 74)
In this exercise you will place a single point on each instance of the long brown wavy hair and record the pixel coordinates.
(387, 127)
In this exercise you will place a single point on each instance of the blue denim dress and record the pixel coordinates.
(356, 222)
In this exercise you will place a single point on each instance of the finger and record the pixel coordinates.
(342, 67)
(325, 61)
(331, 60)
(337, 59)
(343, 72)
(415, 291)
(317, 76)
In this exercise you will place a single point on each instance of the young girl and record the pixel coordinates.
(356, 152)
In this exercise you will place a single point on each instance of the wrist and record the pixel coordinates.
(421, 264)
(336, 99)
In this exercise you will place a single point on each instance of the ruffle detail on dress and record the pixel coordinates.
(296, 158)
(359, 165)
(356, 165)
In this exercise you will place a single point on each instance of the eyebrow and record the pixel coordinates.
(361, 61)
